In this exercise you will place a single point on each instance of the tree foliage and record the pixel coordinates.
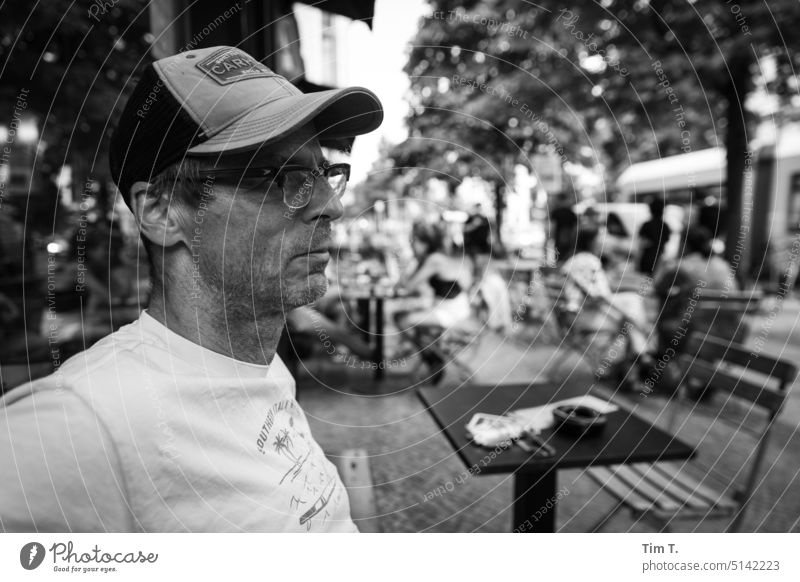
(75, 59)
(614, 81)
(485, 95)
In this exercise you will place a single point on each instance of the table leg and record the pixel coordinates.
(535, 502)
(362, 306)
(379, 338)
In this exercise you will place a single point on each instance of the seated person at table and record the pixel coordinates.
(309, 319)
(449, 277)
(326, 319)
(491, 292)
(697, 270)
(588, 294)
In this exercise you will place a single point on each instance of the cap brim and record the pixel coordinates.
(337, 114)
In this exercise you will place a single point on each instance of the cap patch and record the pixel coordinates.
(229, 66)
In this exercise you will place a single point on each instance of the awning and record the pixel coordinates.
(363, 10)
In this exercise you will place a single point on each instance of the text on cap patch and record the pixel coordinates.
(229, 66)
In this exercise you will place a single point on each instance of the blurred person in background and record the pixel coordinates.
(588, 295)
(22, 293)
(563, 226)
(490, 292)
(449, 277)
(678, 282)
(327, 315)
(654, 235)
(477, 233)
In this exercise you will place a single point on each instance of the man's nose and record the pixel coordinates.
(324, 204)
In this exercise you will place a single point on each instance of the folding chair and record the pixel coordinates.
(741, 390)
(435, 342)
(591, 333)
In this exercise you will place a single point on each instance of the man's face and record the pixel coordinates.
(255, 252)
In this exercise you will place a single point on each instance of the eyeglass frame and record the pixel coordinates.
(279, 177)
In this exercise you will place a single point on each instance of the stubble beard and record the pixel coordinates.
(266, 294)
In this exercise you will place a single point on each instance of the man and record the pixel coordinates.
(186, 420)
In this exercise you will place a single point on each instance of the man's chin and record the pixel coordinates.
(314, 287)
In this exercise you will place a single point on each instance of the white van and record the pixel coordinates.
(620, 222)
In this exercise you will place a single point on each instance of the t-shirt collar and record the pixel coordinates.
(207, 361)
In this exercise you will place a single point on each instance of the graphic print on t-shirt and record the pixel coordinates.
(312, 486)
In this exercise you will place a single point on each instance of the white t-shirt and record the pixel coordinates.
(147, 431)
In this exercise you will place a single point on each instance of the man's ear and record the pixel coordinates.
(158, 219)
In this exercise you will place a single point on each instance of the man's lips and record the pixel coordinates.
(317, 252)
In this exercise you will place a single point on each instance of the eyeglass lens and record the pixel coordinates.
(298, 186)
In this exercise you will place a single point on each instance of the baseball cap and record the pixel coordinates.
(221, 99)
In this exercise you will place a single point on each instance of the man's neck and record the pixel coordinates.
(228, 332)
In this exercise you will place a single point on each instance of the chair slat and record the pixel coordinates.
(684, 495)
(639, 483)
(687, 481)
(713, 348)
(725, 367)
(606, 478)
(697, 494)
(722, 380)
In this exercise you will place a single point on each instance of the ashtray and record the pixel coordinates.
(579, 420)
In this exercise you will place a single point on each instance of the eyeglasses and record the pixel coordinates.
(296, 182)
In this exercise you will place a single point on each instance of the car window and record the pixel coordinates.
(614, 226)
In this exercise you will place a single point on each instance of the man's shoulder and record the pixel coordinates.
(124, 347)
(62, 472)
(108, 373)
